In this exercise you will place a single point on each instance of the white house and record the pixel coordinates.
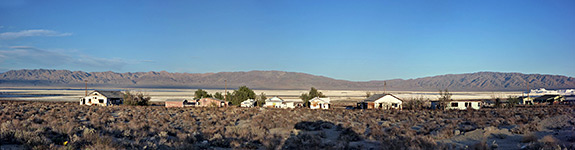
(464, 104)
(384, 101)
(103, 98)
(248, 103)
(319, 103)
(293, 103)
(274, 102)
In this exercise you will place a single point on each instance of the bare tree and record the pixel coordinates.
(444, 98)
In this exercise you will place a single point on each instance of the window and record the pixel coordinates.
(454, 104)
(394, 104)
(101, 100)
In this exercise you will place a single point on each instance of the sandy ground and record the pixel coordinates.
(70, 94)
(559, 127)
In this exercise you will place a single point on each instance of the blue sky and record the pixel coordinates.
(359, 41)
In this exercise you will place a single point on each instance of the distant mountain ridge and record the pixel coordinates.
(480, 81)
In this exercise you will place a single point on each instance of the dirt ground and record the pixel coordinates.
(63, 125)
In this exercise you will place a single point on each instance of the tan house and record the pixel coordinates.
(211, 102)
(103, 98)
(179, 103)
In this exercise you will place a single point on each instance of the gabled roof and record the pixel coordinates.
(110, 94)
(325, 99)
(378, 96)
(274, 99)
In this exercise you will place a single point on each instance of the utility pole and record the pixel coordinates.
(528, 88)
(384, 85)
(86, 82)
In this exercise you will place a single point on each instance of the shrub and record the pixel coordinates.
(136, 99)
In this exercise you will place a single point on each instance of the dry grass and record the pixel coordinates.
(46, 125)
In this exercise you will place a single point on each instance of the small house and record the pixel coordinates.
(526, 100)
(463, 104)
(274, 102)
(381, 101)
(211, 102)
(179, 103)
(248, 103)
(293, 103)
(319, 103)
(103, 98)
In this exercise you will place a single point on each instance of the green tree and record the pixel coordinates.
(241, 94)
(367, 94)
(444, 98)
(201, 94)
(513, 100)
(219, 95)
(308, 96)
(136, 99)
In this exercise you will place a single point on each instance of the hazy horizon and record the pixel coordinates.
(347, 40)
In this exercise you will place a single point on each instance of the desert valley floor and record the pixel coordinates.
(67, 125)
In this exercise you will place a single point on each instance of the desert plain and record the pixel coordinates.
(160, 95)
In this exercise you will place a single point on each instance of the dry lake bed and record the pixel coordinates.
(74, 94)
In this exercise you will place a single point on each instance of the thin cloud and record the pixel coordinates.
(30, 56)
(32, 33)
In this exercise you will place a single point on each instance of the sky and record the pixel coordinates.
(351, 40)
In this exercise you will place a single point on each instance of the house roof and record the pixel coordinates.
(274, 99)
(325, 100)
(378, 96)
(110, 94)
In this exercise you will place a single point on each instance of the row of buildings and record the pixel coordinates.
(376, 101)
(274, 102)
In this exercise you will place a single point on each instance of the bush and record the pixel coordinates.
(136, 99)
(48, 125)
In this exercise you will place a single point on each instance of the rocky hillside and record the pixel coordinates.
(481, 81)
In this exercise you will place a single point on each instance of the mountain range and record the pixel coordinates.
(479, 81)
